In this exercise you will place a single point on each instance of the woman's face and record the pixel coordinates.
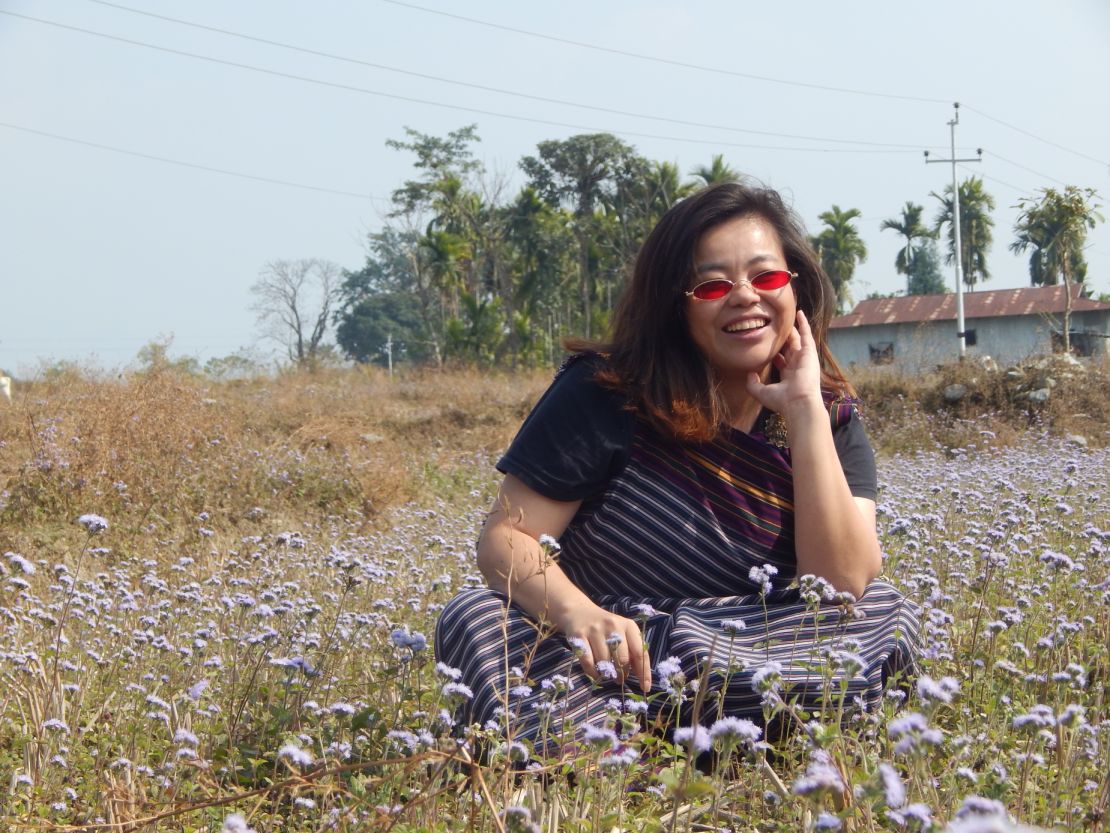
(745, 329)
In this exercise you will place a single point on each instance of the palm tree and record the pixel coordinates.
(975, 228)
(716, 172)
(579, 172)
(840, 249)
(910, 227)
(1056, 227)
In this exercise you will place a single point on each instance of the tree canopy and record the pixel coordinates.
(466, 270)
(841, 249)
(976, 228)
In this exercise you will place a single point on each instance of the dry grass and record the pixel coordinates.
(906, 412)
(155, 450)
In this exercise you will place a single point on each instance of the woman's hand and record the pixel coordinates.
(511, 559)
(799, 373)
(597, 636)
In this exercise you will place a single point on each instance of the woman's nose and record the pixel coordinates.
(743, 292)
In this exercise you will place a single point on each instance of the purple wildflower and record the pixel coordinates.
(731, 731)
(295, 755)
(599, 737)
(894, 791)
(93, 523)
(606, 670)
(695, 736)
(821, 776)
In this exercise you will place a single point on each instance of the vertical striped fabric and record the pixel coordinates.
(679, 529)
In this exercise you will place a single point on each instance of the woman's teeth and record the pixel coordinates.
(751, 324)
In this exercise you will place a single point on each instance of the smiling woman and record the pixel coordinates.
(675, 487)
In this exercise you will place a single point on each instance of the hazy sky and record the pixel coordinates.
(101, 252)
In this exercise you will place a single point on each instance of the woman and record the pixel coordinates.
(690, 469)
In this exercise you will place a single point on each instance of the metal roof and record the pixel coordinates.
(995, 303)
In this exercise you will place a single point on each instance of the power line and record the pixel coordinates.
(1024, 168)
(1032, 136)
(966, 169)
(183, 164)
(668, 61)
(500, 91)
(734, 73)
(457, 107)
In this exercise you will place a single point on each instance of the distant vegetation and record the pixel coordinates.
(465, 270)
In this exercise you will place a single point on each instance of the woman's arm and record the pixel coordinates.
(513, 562)
(834, 532)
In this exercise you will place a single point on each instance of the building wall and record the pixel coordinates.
(921, 345)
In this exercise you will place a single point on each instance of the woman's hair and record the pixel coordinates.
(651, 356)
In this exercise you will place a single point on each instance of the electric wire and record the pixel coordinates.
(500, 91)
(982, 175)
(456, 107)
(194, 165)
(1031, 135)
(668, 61)
(751, 76)
(1023, 167)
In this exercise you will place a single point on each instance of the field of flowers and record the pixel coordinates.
(216, 607)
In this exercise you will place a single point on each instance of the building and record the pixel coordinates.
(919, 331)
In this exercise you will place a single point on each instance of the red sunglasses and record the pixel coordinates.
(718, 288)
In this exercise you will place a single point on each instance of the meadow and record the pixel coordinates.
(217, 602)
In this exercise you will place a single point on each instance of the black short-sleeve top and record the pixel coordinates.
(578, 437)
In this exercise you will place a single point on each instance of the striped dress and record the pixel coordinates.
(671, 541)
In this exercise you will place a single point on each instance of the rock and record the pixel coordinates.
(1076, 439)
(954, 393)
(372, 438)
(988, 364)
(1015, 374)
(1038, 395)
(1049, 382)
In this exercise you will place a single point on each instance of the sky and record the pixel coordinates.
(103, 251)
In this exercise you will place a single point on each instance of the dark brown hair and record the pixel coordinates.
(651, 356)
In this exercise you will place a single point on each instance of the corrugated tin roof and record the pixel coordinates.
(994, 303)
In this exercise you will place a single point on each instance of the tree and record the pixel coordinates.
(293, 300)
(440, 159)
(924, 277)
(154, 357)
(840, 249)
(716, 172)
(912, 230)
(975, 229)
(1055, 226)
(392, 298)
(579, 172)
(244, 363)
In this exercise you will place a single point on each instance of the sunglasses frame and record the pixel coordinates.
(692, 293)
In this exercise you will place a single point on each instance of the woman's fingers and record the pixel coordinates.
(582, 651)
(610, 650)
(638, 661)
(803, 327)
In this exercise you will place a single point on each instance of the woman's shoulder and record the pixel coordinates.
(842, 406)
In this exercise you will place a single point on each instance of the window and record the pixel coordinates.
(1083, 343)
(882, 352)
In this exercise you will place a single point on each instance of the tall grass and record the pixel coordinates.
(249, 633)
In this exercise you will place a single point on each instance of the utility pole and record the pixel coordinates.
(960, 332)
(389, 353)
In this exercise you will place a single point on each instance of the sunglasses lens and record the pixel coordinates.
(771, 280)
(712, 290)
